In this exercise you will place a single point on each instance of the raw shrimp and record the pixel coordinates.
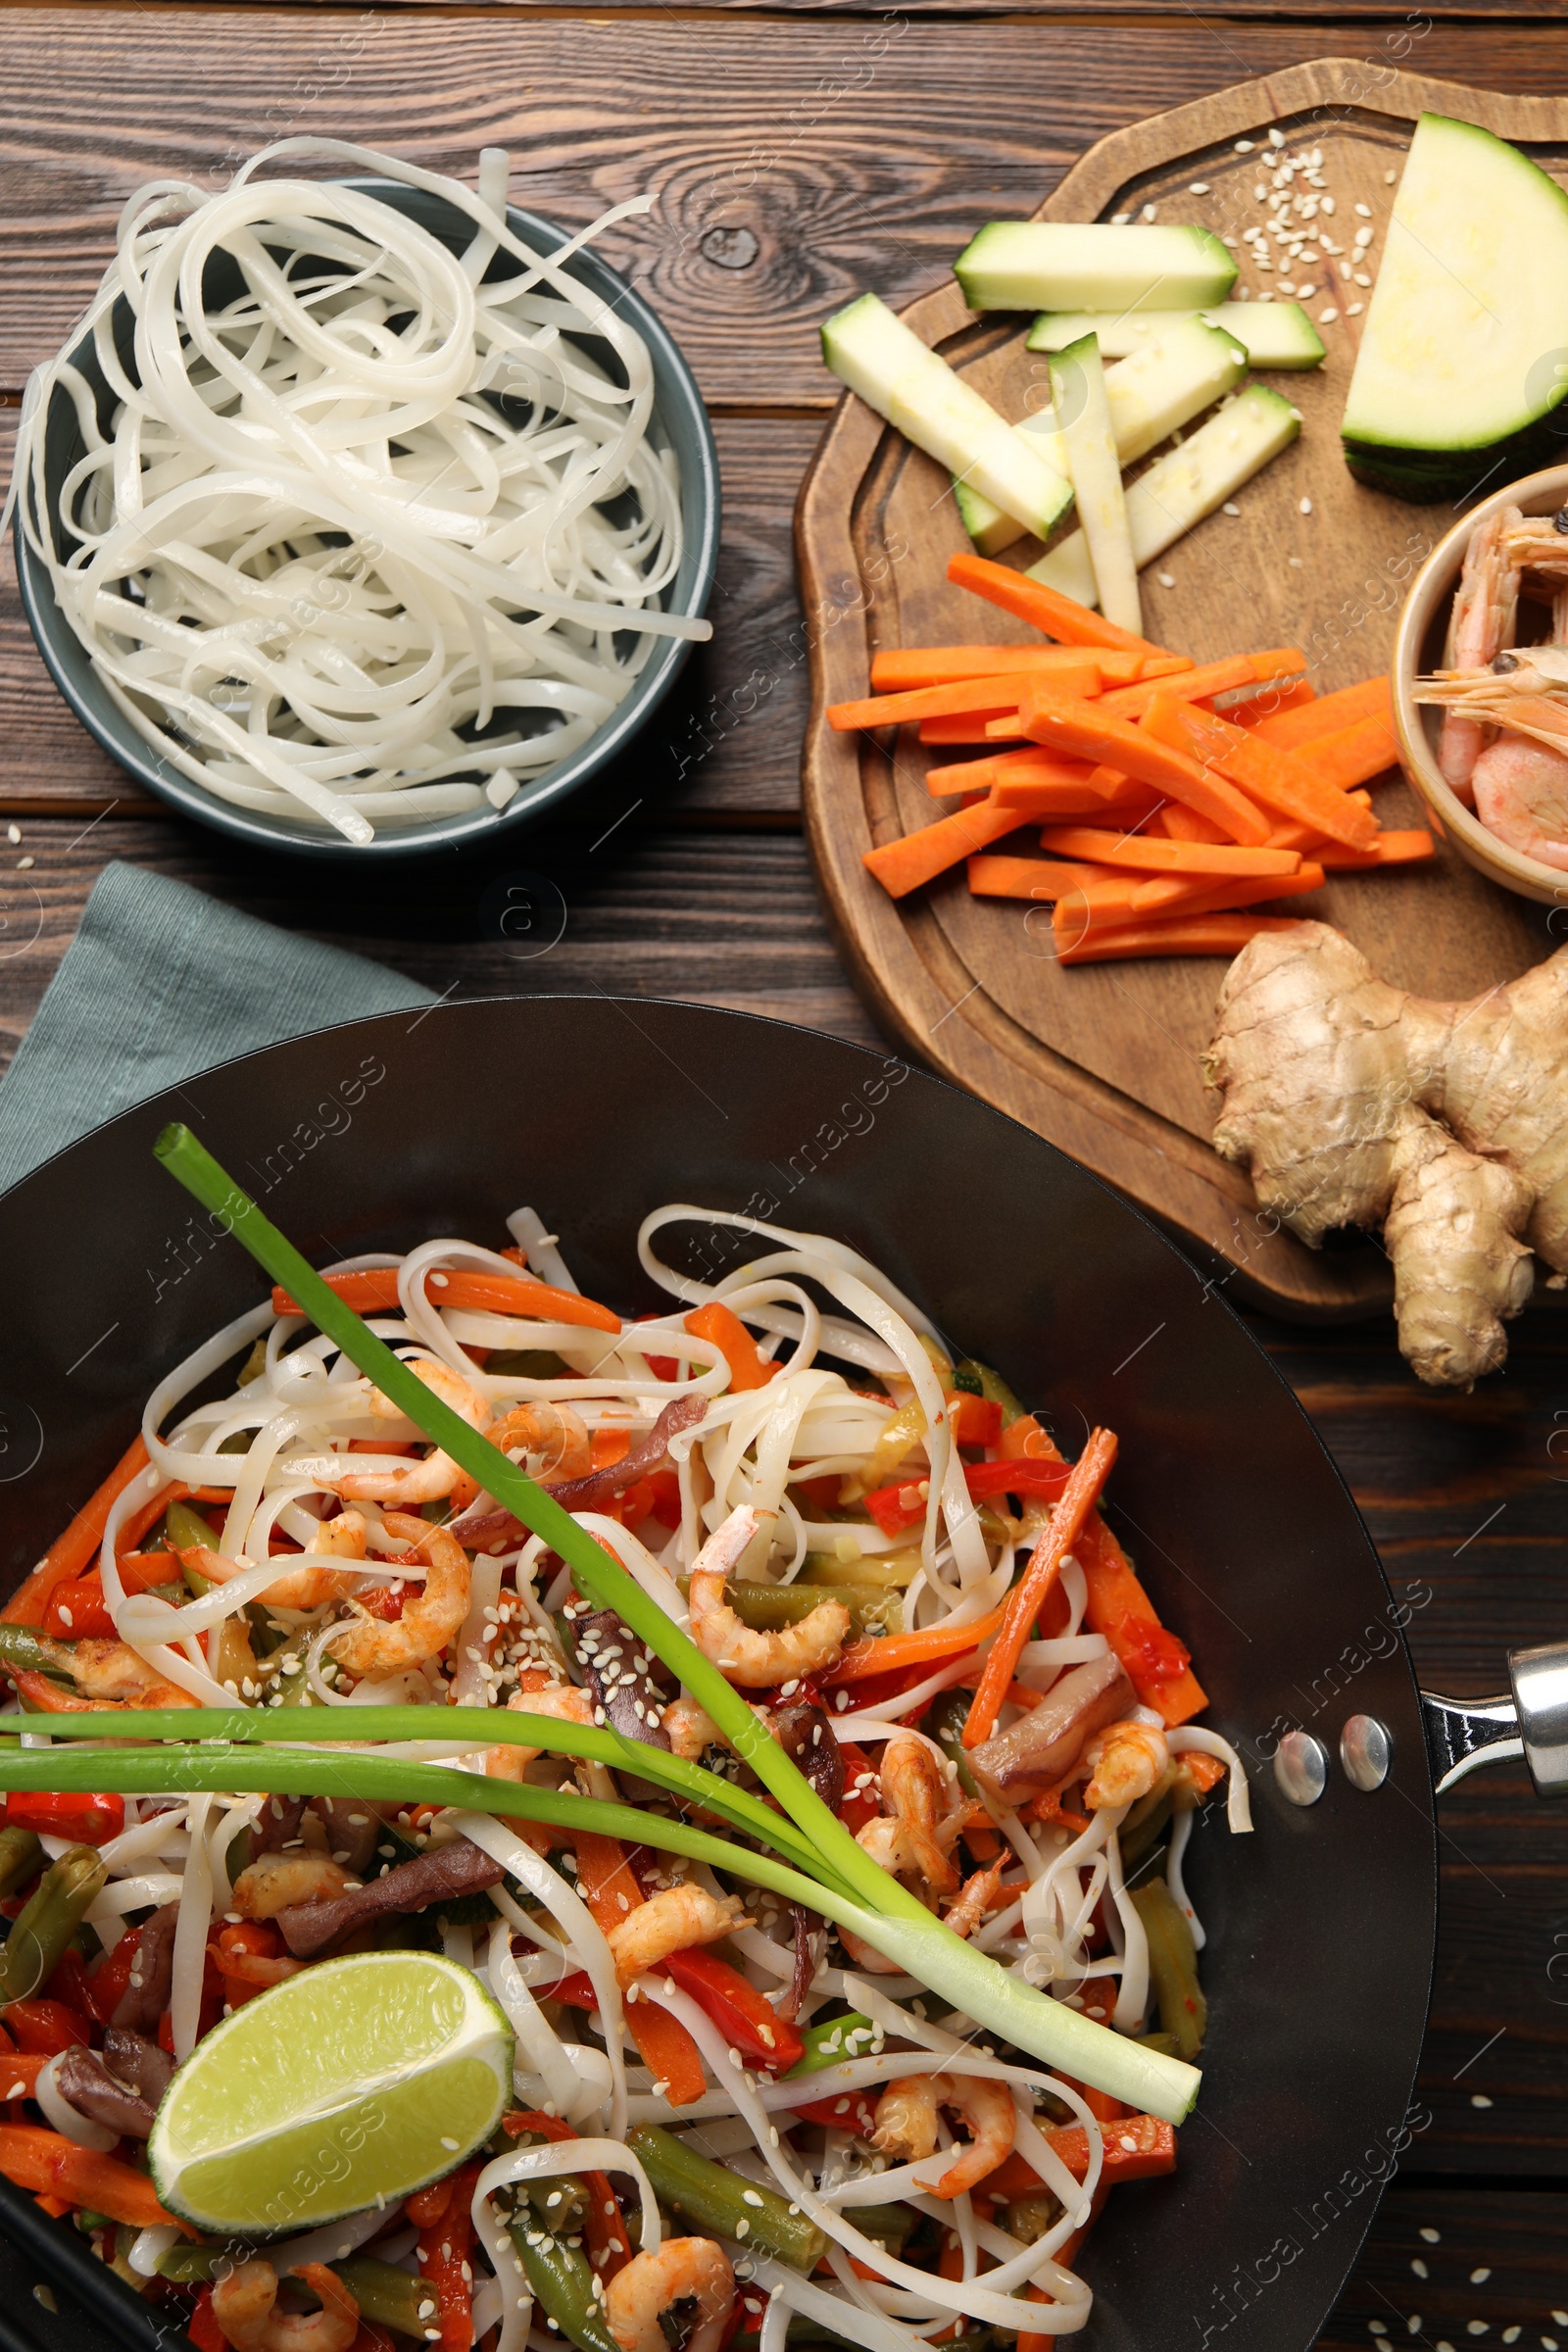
(552, 1437)
(669, 1922)
(1125, 1761)
(276, 1883)
(369, 1646)
(906, 2125)
(297, 1588)
(1481, 625)
(244, 2305)
(906, 1840)
(437, 1476)
(685, 2270)
(564, 1702)
(1521, 792)
(758, 1661)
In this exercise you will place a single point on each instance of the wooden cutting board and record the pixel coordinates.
(1104, 1058)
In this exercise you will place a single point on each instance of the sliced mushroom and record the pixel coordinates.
(85, 2083)
(138, 2063)
(805, 1735)
(441, 1874)
(1038, 1750)
(488, 1528)
(351, 1827)
(152, 1974)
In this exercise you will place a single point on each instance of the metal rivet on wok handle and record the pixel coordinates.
(1528, 1720)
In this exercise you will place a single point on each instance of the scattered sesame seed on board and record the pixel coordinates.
(1479, 2098)
(1418, 2266)
(1432, 2236)
(1479, 2277)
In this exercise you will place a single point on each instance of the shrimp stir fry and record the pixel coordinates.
(844, 1681)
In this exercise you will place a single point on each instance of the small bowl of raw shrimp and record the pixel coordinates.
(1480, 681)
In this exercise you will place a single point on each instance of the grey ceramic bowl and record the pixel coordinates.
(679, 423)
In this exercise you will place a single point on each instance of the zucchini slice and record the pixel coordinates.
(1273, 334)
(1178, 491)
(1465, 345)
(885, 362)
(1093, 266)
(1083, 409)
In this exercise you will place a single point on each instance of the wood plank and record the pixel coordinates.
(840, 157)
(727, 742)
(719, 919)
(1499, 2260)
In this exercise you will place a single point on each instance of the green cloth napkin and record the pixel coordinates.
(157, 984)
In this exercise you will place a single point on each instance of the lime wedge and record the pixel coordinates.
(358, 2079)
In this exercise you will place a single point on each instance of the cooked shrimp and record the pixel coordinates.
(274, 1882)
(550, 1438)
(1481, 625)
(1521, 791)
(685, 2270)
(1125, 1761)
(438, 1475)
(371, 1645)
(756, 1660)
(906, 2125)
(692, 1730)
(244, 2305)
(297, 1588)
(669, 1922)
(105, 1673)
(975, 1899)
(563, 1700)
(914, 1786)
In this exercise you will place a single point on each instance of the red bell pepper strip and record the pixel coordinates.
(202, 2330)
(1158, 1665)
(974, 1420)
(749, 2023)
(446, 2235)
(45, 2028)
(859, 1804)
(899, 1508)
(604, 2225)
(1153, 2151)
(110, 1981)
(850, 2111)
(1021, 1477)
(86, 1820)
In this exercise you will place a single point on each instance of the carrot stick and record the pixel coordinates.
(1031, 765)
(722, 1325)
(894, 1651)
(50, 2165)
(1175, 823)
(1022, 1606)
(1151, 854)
(1038, 879)
(941, 732)
(611, 1893)
(1282, 780)
(1354, 756)
(1080, 677)
(905, 668)
(375, 1291)
(1195, 935)
(70, 1553)
(1308, 722)
(1211, 677)
(1059, 616)
(1272, 702)
(1388, 849)
(1055, 804)
(1081, 728)
(1103, 906)
(1191, 897)
(903, 865)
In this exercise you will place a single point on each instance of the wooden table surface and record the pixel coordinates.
(801, 153)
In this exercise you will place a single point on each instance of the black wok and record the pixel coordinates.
(387, 1132)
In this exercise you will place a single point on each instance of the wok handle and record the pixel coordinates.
(1529, 1719)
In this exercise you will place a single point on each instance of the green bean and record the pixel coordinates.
(563, 2283)
(20, 1854)
(889, 2224)
(186, 1530)
(29, 1650)
(944, 1723)
(1146, 1823)
(723, 2202)
(831, 2041)
(390, 2297)
(189, 2265)
(1173, 1965)
(48, 1921)
(1029, 2218)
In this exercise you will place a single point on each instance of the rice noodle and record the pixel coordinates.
(363, 540)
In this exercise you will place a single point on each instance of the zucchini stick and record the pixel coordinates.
(1078, 396)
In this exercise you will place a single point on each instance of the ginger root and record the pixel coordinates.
(1354, 1104)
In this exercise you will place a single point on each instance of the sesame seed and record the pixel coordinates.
(1326, 203)
(1479, 2098)
(450, 2144)
(1389, 179)
(1276, 138)
(13, 833)
(1305, 507)
(1418, 2266)
(1151, 210)
(1198, 187)
(1479, 2277)
(1354, 309)
(1431, 2237)
(23, 863)
(1361, 278)
(1478, 2327)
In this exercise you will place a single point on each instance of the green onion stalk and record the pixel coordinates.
(890, 1916)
